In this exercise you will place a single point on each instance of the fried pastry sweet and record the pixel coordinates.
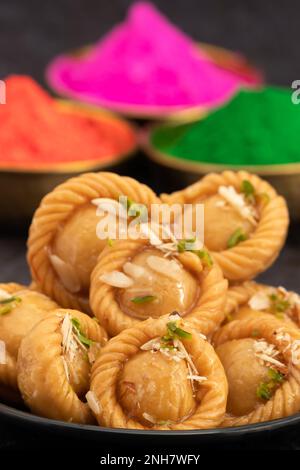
(54, 364)
(20, 310)
(159, 374)
(245, 221)
(134, 280)
(261, 358)
(63, 245)
(251, 298)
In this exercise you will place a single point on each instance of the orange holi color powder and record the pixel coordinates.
(36, 130)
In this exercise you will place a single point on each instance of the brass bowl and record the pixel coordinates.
(21, 189)
(224, 58)
(181, 173)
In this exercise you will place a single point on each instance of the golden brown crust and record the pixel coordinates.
(56, 207)
(15, 325)
(42, 375)
(286, 399)
(257, 253)
(238, 297)
(239, 294)
(12, 287)
(210, 410)
(205, 316)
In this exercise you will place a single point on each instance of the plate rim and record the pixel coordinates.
(10, 412)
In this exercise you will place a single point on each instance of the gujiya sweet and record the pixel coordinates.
(20, 309)
(54, 364)
(245, 221)
(159, 374)
(135, 280)
(163, 372)
(261, 358)
(250, 298)
(64, 245)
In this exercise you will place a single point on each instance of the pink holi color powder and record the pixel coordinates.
(145, 62)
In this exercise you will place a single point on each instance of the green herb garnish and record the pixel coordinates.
(265, 390)
(80, 335)
(143, 299)
(237, 237)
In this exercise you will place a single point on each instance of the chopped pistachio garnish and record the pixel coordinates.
(10, 299)
(175, 332)
(187, 245)
(110, 242)
(143, 299)
(7, 305)
(205, 257)
(265, 390)
(262, 198)
(135, 209)
(237, 237)
(248, 191)
(80, 335)
(255, 333)
(279, 305)
(252, 196)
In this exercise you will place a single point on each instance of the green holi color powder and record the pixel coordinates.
(255, 128)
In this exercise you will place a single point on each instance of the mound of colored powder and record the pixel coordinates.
(255, 128)
(144, 62)
(36, 130)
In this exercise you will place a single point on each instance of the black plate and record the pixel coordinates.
(110, 435)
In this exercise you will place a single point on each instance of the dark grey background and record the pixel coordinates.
(33, 31)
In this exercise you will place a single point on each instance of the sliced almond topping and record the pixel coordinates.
(2, 353)
(66, 330)
(66, 274)
(266, 353)
(93, 402)
(220, 203)
(4, 295)
(174, 316)
(134, 270)
(116, 279)
(149, 418)
(237, 201)
(152, 345)
(260, 301)
(149, 233)
(66, 368)
(178, 344)
(295, 352)
(197, 378)
(169, 268)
